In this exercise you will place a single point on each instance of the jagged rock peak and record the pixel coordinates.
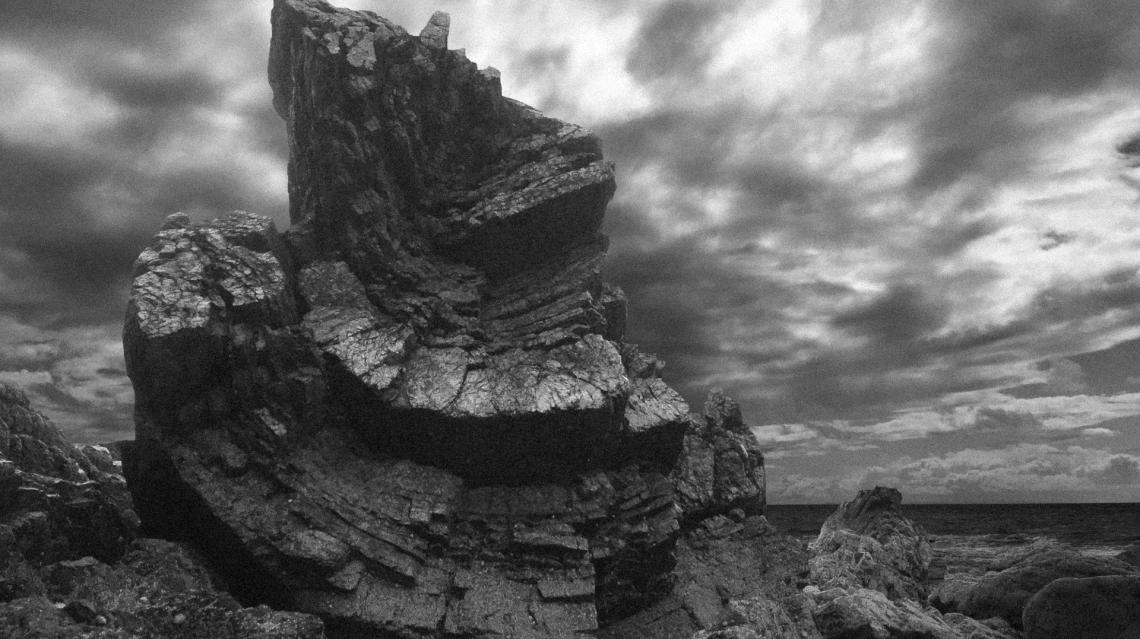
(434, 33)
(413, 412)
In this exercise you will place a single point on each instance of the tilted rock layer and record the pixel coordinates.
(413, 412)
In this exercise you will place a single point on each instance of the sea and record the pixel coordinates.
(965, 537)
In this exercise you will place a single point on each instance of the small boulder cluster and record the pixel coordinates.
(869, 575)
(73, 564)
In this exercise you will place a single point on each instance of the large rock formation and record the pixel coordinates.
(413, 412)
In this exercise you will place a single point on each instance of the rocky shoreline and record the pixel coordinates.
(75, 564)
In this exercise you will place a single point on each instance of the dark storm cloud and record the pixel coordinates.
(155, 89)
(956, 233)
(1000, 55)
(675, 39)
(771, 189)
(897, 319)
(80, 212)
(50, 217)
(680, 293)
(45, 219)
(1073, 302)
(132, 19)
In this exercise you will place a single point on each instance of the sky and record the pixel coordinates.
(904, 235)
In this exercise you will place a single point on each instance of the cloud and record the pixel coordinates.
(676, 39)
(73, 375)
(101, 146)
(1019, 472)
(1121, 470)
(997, 59)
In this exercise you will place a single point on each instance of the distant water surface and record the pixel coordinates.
(966, 536)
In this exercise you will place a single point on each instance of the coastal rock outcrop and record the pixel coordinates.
(1012, 579)
(413, 412)
(869, 569)
(868, 543)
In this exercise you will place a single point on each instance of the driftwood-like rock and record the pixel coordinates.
(413, 412)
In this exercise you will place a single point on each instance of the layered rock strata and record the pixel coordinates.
(413, 412)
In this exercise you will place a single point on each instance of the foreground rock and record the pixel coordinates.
(57, 501)
(71, 564)
(868, 573)
(157, 590)
(413, 412)
(730, 571)
(868, 543)
(862, 612)
(1015, 577)
(1089, 608)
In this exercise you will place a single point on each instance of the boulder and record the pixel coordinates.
(847, 613)
(868, 543)
(413, 412)
(57, 501)
(1085, 608)
(1016, 576)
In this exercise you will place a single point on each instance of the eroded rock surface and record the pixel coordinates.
(413, 412)
(1014, 578)
(57, 501)
(868, 543)
(72, 566)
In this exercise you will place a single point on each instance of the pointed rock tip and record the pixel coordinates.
(435, 32)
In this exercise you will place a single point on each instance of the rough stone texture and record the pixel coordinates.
(762, 616)
(864, 613)
(413, 412)
(970, 628)
(868, 543)
(157, 590)
(1089, 608)
(721, 564)
(71, 565)
(57, 501)
(1016, 576)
